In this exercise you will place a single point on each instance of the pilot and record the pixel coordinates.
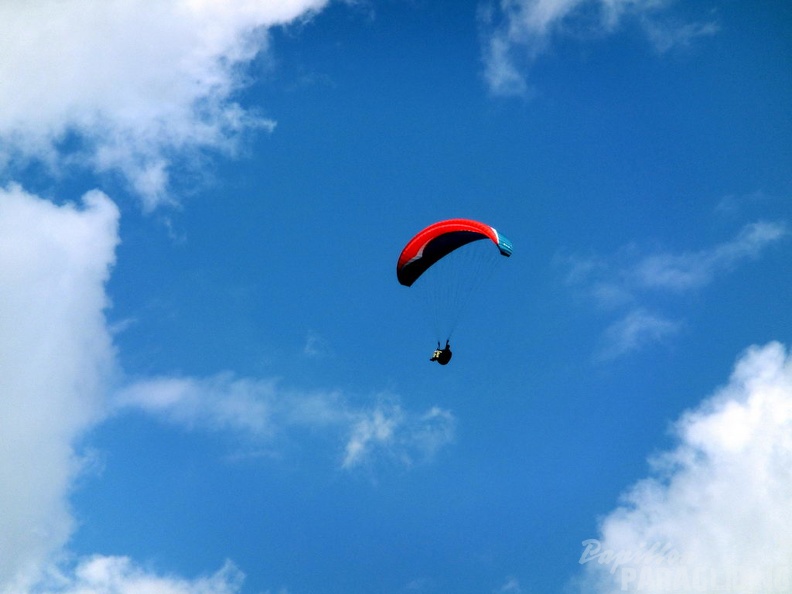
(442, 356)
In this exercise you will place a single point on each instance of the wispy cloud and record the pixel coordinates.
(692, 270)
(130, 87)
(716, 512)
(511, 586)
(316, 347)
(625, 276)
(667, 35)
(633, 332)
(518, 31)
(261, 410)
(624, 282)
(391, 431)
(120, 575)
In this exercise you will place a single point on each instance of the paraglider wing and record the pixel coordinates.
(440, 239)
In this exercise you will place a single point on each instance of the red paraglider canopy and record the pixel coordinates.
(439, 240)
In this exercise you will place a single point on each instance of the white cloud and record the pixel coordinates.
(374, 428)
(407, 437)
(634, 331)
(511, 586)
(518, 31)
(129, 85)
(261, 410)
(622, 278)
(56, 357)
(667, 36)
(316, 347)
(119, 575)
(216, 403)
(622, 283)
(681, 272)
(716, 513)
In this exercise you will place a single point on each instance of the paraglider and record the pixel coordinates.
(446, 262)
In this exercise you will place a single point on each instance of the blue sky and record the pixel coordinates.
(212, 382)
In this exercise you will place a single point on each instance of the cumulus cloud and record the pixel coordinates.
(129, 86)
(518, 31)
(56, 357)
(261, 410)
(716, 512)
(622, 283)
